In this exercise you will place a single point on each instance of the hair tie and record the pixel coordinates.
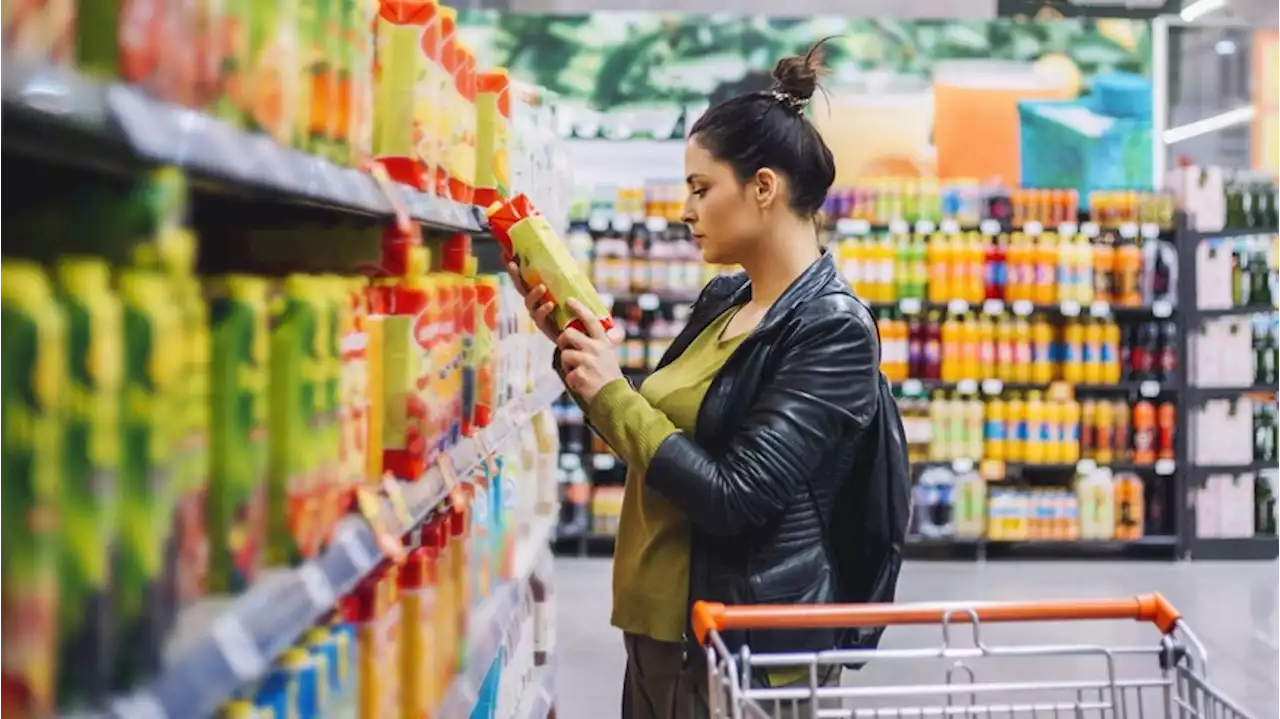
(793, 103)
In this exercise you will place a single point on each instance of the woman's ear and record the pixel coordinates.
(766, 187)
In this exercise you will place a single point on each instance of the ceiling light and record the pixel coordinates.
(1221, 121)
(1200, 8)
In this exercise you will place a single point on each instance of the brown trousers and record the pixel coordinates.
(659, 684)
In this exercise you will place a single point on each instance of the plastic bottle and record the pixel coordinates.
(1088, 428)
(1129, 500)
(1092, 355)
(1144, 433)
(1068, 270)
(958, 429)
(970, 349)
(1073, 353)
(996, 439)
(937, 254)
(1071, 433)
(1167, 426)
(1016, 434)
(940, 423)
(975, 253)
(1041, 350)
(1005, 357)
(1110, 353)
(1020, 269)
(1083, 261)
(932, 347)
(1095, 495)
(951, 349)
(1104, 427)
(1104, 262)
(1055, 449)
(1128, 290)
(970, 505)
(1037, 434)
(902, 266)
(974, 429)
(1122, 440)
(915, 348)
(1021, 350)
(986, 347)
(1045, 289)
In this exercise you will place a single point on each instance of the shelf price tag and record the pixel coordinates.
(912, 387)
(957, 307)
(1165, 467)
(603, 461)
(992, 386)
(1150, 230)
(238, 648)
(1023, 308)
(1090, 229)
(622, 223)
(139, 705)
(648, 302)
(371, 509)
(950, 227)
(925, 227)
(1128, 230)
(1070, 308)
(967, 386)
(1162, 309)
(848, 227)
(570, 462)
(992, 470)
(394, 197)
(1068, 229)
(395, 496)
(1099, 309)
(989, 227)
(598, 221)
(457, 497)
(909, 306)
(1086, 466)
(993, 307)
(1033, 228)
(1061, 391)
(962, 465)
(1149, 388)
(655, 224)
(317, 585)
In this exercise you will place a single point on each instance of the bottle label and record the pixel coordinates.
(1020, 431)
(995, 430)
(1107, 353)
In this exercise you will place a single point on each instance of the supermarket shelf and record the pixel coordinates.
(1151, 547)
(491, 624)
(1204, 470)
(1162, 468)
(850, 227)
(60, 115)
(1205, 314)
(232, 642)
(1197, 236)
(1204, 394)
(1234, 548)
(1022, 308)
(1145, 388)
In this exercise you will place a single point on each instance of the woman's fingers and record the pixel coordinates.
(589, 320)
(542, 314)
(514, 271)
(573, 359)
(573, 339)
(535, 297)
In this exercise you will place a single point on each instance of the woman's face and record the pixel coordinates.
(724, 217)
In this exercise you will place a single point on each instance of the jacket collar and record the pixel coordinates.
(804, 288)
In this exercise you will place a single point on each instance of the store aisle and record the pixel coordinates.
(1232, 606)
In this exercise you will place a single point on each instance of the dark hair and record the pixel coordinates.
(769, 129)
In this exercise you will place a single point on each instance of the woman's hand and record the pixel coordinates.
(536, 302)
(588, 359)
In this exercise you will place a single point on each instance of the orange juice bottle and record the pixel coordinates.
(975, 260)
(986, 347)
(1015, 266)
(1104, 433)
(1128, 274)
(1021, 350)
(1054, 416)
(1088, 429)
(1041, 350)
(1092, 355)
(1018, 199)
(1129, 499)
(1037, 443)
(936, 256)
(1045, 288)
(1015, 449)
(951, 349)
(893, 333)
(1144, 433)
(1104, 265)
(1110, 356)
(970, 349)
(1005, 355)
(1073, 353)
(1070, 450)
(995, 430)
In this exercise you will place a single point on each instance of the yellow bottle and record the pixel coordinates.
(1093, 353)
(996, 432)
(1004, 349)
(940, 422)
(1016, 430)
(986, 347)
(1045, 290)
(976, 254)
(1055, 448)
(1084, 270)
(1070, 450)
(970, 350)
(1037, 430)
(975, 424)
(1073, 349)
(1041, 350)
(951, 349)
(1021, 350)
(939, 255)
(1110, 358)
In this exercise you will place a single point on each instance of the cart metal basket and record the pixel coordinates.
(1165, 679)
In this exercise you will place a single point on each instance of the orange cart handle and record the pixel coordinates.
(708, 616)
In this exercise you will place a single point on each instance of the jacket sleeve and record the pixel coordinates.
(823, 387)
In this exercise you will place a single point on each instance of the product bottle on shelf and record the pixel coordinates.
(1166, 428)
(1041, 350)
(1088, 429)
(1104, 262)
(1130, 498)
(1092, 352)
(996, 270)
(996, 429)
(1046, 263)
(1016, 434)
(1104, 433)
(1037, 435)
(1021, 350)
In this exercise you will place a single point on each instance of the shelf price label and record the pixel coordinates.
(962, 465)
(1162, 309)
(1149, 389)
(603, 461)
(899, 227)
(1090, 229)
(392, 489)
(457, 497)
(394, 197)
(925, 227)
(238, 648)
(1023, 308)
(371, 508)
(1068, 229)
(950, 227)
(1099, 309)
(1128, 230)
(139, 705)
(648, 302)
(1150, 230)
(598, 221)
(1070, 308)
(909, 306)
(1086, 466)
(992, 386)
(655, 224)
(1165, 467)
(989, 227)
(1033, 228)
(622, 223)
(967, 386)
(993, 307)
(912, 387)
(957, 307)
(849, 227)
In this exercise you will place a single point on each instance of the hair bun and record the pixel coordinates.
(797, 75)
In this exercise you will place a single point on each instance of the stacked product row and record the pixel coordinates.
(394, 644)
(1099, 506)
(178, 432)
(1037, 430)
(1019, 267)
(352, 81)
(953, 347)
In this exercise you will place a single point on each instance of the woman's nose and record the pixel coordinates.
(687, 215)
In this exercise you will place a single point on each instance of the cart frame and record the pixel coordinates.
(1181, 688)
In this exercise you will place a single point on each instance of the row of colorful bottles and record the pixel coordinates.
(973, 267)
(1031, 349)
(619, 266)
(964, 506)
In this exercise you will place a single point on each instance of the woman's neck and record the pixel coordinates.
(782, 257)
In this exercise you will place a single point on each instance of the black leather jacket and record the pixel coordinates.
(777, 432)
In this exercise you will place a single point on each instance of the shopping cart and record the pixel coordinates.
(1166, 679)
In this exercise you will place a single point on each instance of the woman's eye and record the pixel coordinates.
(699, 193)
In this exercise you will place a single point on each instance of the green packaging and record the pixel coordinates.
(152, 367)
(235, 510)
(34, 372)
(88, 509)
(274, 80)
(192, 462)
(296, 387)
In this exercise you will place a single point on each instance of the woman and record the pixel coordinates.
(745, 431)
